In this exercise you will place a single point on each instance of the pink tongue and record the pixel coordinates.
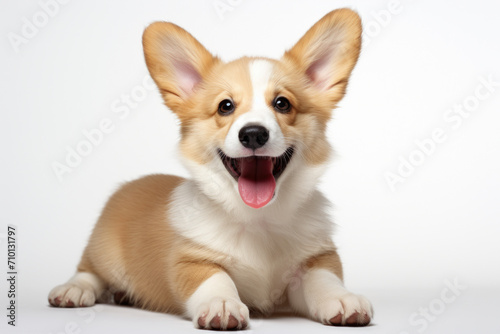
(256, 182)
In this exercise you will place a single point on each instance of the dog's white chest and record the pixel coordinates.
(262, 275)
(263, 253)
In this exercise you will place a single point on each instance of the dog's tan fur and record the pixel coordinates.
(134, 246)
(133, 236)
(163, 267)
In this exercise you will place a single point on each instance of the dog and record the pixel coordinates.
(249, 231)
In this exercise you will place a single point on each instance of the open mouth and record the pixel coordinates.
(256, 175)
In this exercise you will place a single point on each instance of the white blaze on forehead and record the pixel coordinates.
(260, 73)
(260, 113)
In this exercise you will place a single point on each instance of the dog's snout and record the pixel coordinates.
(253, 136)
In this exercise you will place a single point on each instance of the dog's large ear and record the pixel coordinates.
(176, 61)
(328, 52)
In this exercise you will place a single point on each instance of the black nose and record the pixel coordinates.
(253, 136)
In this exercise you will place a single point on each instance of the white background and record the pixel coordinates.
(399, 246)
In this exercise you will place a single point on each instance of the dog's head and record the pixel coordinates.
(255, 126)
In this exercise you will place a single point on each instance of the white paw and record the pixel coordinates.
(347, 309)
(72, 295)
(222, 314)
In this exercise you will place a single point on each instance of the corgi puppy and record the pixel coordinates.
(249, 231)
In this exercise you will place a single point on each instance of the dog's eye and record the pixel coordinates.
(282, 105)
(226, 107)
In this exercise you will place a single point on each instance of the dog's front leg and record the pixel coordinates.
(319, 293)
(211, 298)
